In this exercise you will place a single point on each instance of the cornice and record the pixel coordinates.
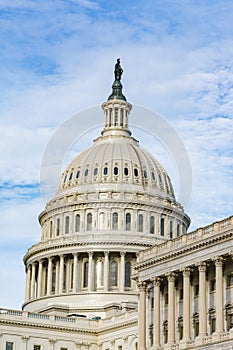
(24, 323)
(181, 251)
(36, 250)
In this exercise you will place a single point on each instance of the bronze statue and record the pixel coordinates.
(118, 70)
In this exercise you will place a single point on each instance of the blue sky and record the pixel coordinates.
(57, 59)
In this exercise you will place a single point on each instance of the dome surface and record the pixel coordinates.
(115, 161)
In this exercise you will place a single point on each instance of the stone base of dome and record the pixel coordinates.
(88, 305)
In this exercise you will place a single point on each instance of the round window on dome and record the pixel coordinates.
(115, 171)
(105, 171)
(95, 171)
(86, 172)
(78, 174)
(145, 174)
(126, 171)
(135, 172)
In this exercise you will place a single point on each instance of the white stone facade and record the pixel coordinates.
(114, 233)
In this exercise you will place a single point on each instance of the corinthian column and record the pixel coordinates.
(171, 308)
(186, 303)
(156, 325)
(90, 271)
(219, 294)
(142, 316)
(202, 300)
(61, 274)
(106, 271)
(33, 281)
(39, 287)
(122, 272)
(28, 283)
(49, 278)
(75, 270)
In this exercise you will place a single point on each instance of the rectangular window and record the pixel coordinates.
(171, 229)
(162, 226)
(212, 285)
(37, 347)
(196, 328)
(196, 290)
(9, 345)
(229, 280)
(181, 294)
(213, 325)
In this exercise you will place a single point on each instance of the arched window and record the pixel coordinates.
(51, 229)
(86, 172)
(53, 278)
(135, 172)
(77, 223)
(152, 224)
(67, 224)
(105, 171)
(78, 173)
(178, 230)
(116, 117)
(128, 222)
(58, 227)
(85, 274)
(101, 221)
(162, 226)
(180, 328)
(115, 221)
(115, 170)
(95, 171)
(64, 277)
(140, 223)
(126, 171)
(89, 222)
(114, 274)
(99, 274)
(127, 274)
(71, 175)
(121, 116)
(171, 229)
(165, 331)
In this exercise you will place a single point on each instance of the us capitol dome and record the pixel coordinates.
(113, 201)
(116, 268)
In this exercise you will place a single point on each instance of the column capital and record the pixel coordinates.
(171, 276)
(142, 286)
(186, 271)
(156, 281)
(122, 253)
(218, 260)
(201, 266)
(106, 252)
(90, 253)
(75, 254)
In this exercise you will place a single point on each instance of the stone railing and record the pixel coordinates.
(80, 322)
(188, 238)
(124, 237)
